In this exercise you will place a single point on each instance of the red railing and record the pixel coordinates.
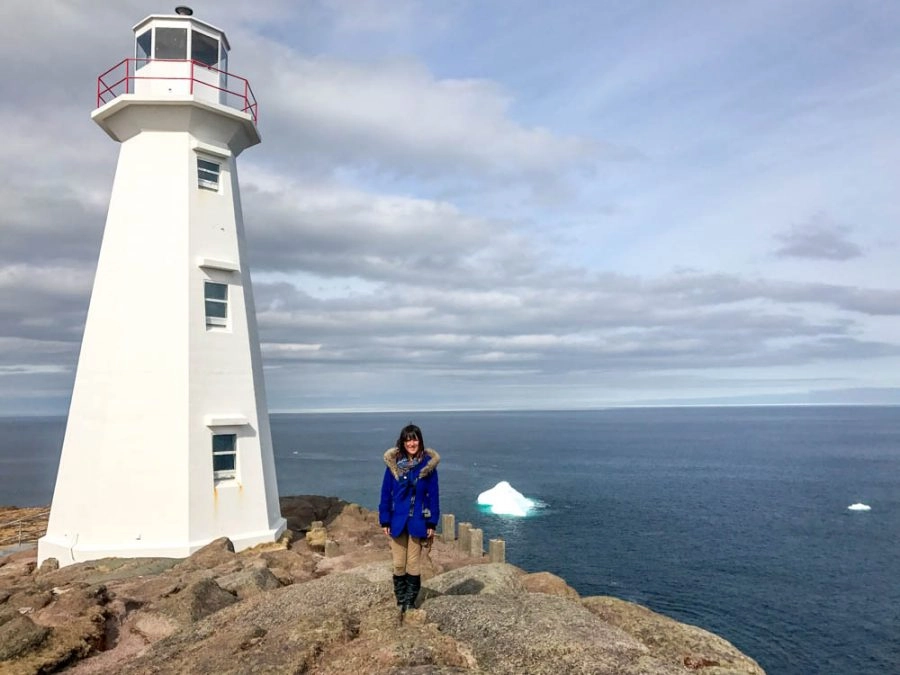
(121, 78)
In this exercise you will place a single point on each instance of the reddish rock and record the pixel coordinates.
(215, 553)
(545, 582)
(194, 602)
(278, 609)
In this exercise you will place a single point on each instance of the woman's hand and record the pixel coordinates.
(429, 533)
(386, 530)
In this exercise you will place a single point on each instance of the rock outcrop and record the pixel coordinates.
(299, 606)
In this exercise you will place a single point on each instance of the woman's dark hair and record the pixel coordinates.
(409, 432)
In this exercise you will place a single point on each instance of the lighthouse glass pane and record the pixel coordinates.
(216, 291)
(224, 442)
(204, 49)
(142, 48)
(216, 310)
(171, 43)
(223, 463)
(223, 77)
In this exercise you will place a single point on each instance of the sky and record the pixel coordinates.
(495, 204)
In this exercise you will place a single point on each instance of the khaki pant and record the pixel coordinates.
(406, 552)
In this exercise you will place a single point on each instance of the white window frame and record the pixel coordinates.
(215, 321)
(224, 474)
(207, 179)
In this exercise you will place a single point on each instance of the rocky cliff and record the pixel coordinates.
(324, 603)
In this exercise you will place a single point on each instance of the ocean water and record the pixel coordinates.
(732, 519)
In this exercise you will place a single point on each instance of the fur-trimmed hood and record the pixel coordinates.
(391, 457)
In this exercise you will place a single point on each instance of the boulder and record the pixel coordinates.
(143, 590)
(30, 599)
(540, 634)
(677, 644)
(75, 625)
(49, 565)
(487, 579)
(545, 582)
(214, 554)
(302, 510)
(78, 603)
(285, 630)
(195, 602)
(18, 634)
(289, 566)
(249, 582)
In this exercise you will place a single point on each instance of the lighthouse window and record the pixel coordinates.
(142, 48)
(224, 451)
(204, 49)
(208, 174)
(171, 43)
(216, 297)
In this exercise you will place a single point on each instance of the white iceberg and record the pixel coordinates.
(505, 500)
(858, 506)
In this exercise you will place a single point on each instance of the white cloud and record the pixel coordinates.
(397, 117)
(433, 219)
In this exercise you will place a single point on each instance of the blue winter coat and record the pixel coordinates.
(397, 490)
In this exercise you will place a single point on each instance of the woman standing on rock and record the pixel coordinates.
(409, 509)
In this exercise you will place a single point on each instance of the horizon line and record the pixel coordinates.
(631, 406)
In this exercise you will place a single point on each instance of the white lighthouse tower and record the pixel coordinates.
(167, 445)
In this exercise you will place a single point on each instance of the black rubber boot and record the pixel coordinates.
(400, 590)
(413, 585)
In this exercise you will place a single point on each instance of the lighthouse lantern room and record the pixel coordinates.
(167, 442)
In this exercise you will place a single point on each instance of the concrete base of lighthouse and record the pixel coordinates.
(67, 550)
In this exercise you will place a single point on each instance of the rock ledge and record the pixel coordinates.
(321, 601)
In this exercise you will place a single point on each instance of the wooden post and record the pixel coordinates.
(465, 538)
(448, 527)
(497, 550)
(476, 542)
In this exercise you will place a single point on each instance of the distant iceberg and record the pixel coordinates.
(504, 499)
(858, 506)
